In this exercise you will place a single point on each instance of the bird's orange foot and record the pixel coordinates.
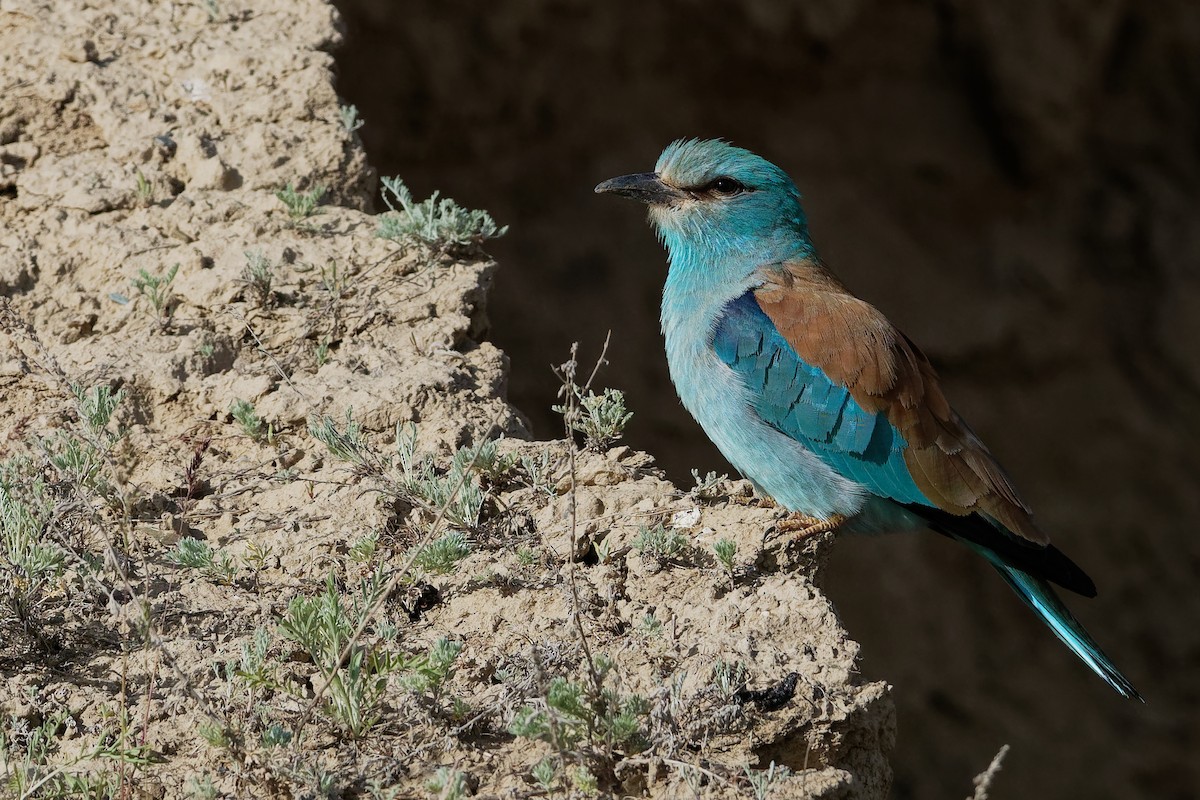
(797, 541)
(804, 526)
(755, 500)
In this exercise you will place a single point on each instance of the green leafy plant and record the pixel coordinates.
(428, 673)
(485, 459)
(258, 275)
(34, 539)
(362, 549)
(706, 488)
(323, 626)
(349, 118)
(334, 282)
(196, 554)
(441, 225)
(301, 205)
(201, 787)
(572, 716)
(77, 460)
(661, 545)
(726, 552)
(257, 556)
(527, 557)
(729, 678)
(321, 353)
(763, 782)
(573, 713)
(456, 495)
(29, 565)
(145, 189)
(157, 290)
(650, 626)
(26, 755)
(601, 418)
(545, 772)
(346, 443)
(539, 473)
(253, 668)
(96, 407)
(251, 424)
(448, 784)
(216, 734)
(443, 553)
(276, 736)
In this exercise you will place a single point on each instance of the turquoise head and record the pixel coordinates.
(719, 205)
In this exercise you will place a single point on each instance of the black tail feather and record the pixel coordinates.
(1047, 562)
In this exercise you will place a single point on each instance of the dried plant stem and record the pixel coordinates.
(570, 396)
(983, 781)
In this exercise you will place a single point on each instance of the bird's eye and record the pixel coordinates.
(727, 187)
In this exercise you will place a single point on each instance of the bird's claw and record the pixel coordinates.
(804, 526)
(754, 500)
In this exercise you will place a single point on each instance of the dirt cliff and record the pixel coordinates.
(271, 527)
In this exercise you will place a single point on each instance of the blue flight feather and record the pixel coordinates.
(800, 401)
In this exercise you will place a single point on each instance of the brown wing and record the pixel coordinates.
(856, 347)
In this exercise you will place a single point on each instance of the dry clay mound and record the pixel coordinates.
(254, 544)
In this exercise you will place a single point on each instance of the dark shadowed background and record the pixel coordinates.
(1017, 185)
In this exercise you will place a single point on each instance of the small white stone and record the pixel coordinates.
(687, 518)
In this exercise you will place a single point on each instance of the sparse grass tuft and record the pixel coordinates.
(539, 473)
(145, 189)
(96, 407)
(29, 565)
(345, 443)
(729, 679)
(31, 762)
(321, 353)
(441, 225)
(485, 459)
(455, 495)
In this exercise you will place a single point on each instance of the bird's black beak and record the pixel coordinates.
(644, 186)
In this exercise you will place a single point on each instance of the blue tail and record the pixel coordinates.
(1039, 596)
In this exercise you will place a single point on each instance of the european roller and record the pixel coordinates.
(814, 396)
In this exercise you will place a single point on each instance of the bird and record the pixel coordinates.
(814, 396)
